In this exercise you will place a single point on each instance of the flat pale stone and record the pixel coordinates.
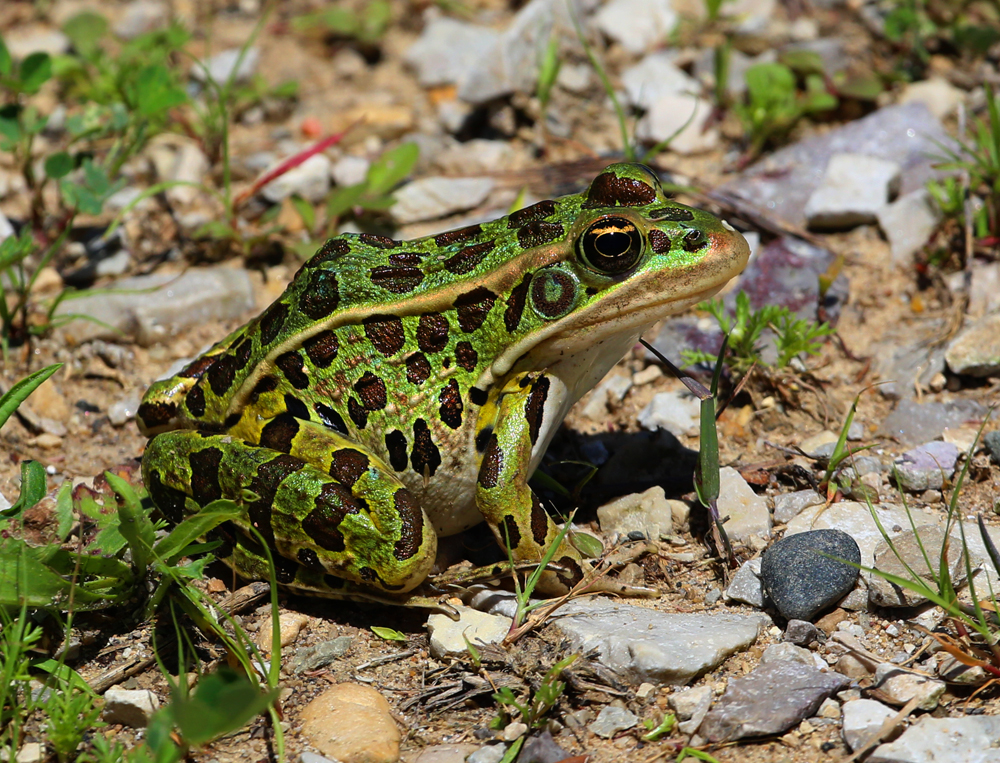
(908, 223)
(661, 648)
(448, 637)
(432, 197)
(748, 513)
(852, 191)
(862, 718)
(936, 93)
(129, 707)
(973, 739)
(648, 512)
(976, 350)
(681, 120)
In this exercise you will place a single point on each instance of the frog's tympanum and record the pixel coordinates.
(403, 390)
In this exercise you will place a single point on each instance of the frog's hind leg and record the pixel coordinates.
(352, 519)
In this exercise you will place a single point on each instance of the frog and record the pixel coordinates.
(399, 392)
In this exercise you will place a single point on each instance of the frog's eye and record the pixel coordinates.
(612, 245)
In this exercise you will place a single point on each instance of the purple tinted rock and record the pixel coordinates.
(927, 466)
(781, 183)
(911, 422)
(770, 700)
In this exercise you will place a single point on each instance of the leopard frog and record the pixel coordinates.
(401, 391)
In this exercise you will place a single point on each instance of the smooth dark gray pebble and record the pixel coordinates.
(800, 580)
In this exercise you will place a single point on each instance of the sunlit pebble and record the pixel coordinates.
(311, 127)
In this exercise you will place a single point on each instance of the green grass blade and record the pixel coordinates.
(17, 394)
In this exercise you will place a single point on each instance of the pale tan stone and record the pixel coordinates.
(353, 724)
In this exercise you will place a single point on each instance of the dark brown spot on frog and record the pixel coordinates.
(473, 307)
(278, 433)
(534, 409)
(395, 446)
(205, 475)
(570, 573)
(157, 414)
(538, 233)
(385, 332)
(322, 349)
(538, 211)
(265, 484)
(483, 438)
(405, 258)
(397, 279)
(418, 369)
(264, 385)
(515, 304)
(610, 190)
(331, 250)
(379, 242)
(169, 500)
(478, 396)
(321, 295)
(371, 390)
(293, 368)
(674, 214)
(432, 332)
(466, 260)
(553, 292)
(309, 558)
(425, 457)
(693, 240)
(242, 352)
(195, 401)
(539, 522)
(330, 418)
(451, 404)
(457, 236)
(659, 241)
(466, 356)
(334, 583)
(347, 465)
(358, 413)
(412, 529)
(221, 374)
(197, 367)
(271, 322)
(285, 570)
(509, 532)
(371, 576)
(296, 407)
(333, 503)
(492, 464)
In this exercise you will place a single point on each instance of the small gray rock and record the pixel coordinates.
(320, 655)
(862, 718)
(447, 50)
(658, 647)
(648, 512)
(802, 633)
(912, 423)
(448, 637)
(220, 66)
(141, 16)
(898, 686)
(691, 706)
(787, 506)
(991, 440)
(674, 411)
(973, 739)
(611, 720)
(748, 513)
(800, 580)
(432, 197)
(908, 223)
(787, 652)
(637, 25)
(770, 700)
(854, 188)
(910, 548)
(927, 466)
(746, 586)
(310, 180)
(129, 707)
(491, 753)
(976, 349)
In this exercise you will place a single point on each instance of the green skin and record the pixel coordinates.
(401, 391)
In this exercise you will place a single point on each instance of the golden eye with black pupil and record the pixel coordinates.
(612, 245)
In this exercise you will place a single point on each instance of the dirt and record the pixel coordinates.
(339, 85)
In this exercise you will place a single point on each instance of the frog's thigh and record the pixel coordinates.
(512, 510)
(354, 520)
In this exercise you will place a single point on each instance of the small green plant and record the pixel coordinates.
(775, 102)
(921, 27)
(367, 26)
(979, 159)
(533, 710)
(657, 730)
(793, 336)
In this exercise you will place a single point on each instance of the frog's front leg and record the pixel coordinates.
(511, 430)
(341, 513)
